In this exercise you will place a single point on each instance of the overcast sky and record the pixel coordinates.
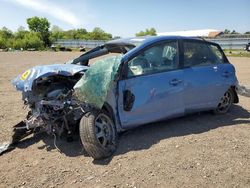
(125, 18)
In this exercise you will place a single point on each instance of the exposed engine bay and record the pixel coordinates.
(51, 104)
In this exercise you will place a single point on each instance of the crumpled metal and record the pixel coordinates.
(24, 82)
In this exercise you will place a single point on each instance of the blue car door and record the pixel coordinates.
(153, 89)
(224, 70)
(203, 78)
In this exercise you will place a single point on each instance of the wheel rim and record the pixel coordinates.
(105, 131)
(225, 102)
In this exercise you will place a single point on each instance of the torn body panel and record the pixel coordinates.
(25, 81)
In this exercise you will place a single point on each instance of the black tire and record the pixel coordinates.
(225, 103)
(99, 138)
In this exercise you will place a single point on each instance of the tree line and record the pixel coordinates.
(40, 35)
(233, 32)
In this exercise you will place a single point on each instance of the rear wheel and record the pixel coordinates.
(225, 103)
(98, 134)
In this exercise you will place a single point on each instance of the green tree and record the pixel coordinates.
(6, 33)
(70, 34)
(227, 31)
(21, 32)
(81, 33)
(29, 40)
(99, 34)
(2, 43)
(56, 33)
(41, 26)
(234, 32)
(5, 36)
(247, 33)
(17, 44)
(147, 32)
(33, 40)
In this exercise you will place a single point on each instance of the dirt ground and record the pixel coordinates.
(200, 150)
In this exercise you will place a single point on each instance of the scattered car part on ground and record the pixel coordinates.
(153, 78)
(82, 49)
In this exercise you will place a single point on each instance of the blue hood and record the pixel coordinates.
(24, 82)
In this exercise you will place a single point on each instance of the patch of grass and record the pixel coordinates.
(236, 53)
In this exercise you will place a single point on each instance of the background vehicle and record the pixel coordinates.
(156, 78)
(248, 47)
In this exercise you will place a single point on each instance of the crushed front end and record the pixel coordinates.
(48, 93)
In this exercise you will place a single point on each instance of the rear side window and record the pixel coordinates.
(217, 53)
(201, 54)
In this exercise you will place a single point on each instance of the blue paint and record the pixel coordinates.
(45, 71)
(155, 98)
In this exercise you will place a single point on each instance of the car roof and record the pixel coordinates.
(137, 41)
(127, 46)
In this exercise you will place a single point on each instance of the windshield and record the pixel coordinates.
(93, 87)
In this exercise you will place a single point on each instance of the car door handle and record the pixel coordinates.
(175, 82)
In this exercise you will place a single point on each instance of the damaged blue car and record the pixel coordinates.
(143, 80)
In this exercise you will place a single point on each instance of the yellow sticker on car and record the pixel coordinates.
(25, 75)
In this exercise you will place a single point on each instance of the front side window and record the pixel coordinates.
(162, 57)
(201, 54)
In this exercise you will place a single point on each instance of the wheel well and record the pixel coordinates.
(108, 109)
(236, 98)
